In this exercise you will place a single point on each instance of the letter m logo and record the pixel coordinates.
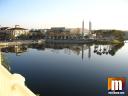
(116, 85)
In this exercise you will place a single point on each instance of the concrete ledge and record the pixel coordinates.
(13, 84)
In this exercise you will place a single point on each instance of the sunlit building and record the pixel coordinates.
(9, 33)
(17, 31)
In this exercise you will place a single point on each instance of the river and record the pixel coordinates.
(68, 69)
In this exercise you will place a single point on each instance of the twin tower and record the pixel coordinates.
(90, 28)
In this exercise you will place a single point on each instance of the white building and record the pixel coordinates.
(17, 31)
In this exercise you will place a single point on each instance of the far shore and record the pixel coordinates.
(42, 41)
(18, 42)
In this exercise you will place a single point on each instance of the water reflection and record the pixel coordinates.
(4, 61)
(107, 49)
(18, 49)
(67, 69)
(78, 49)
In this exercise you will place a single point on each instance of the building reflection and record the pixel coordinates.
(89, 51)
(37, 46)
(18, 49)
(77, 49)
(86, 47)
(82, 50)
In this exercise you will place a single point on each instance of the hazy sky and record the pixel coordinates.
(104, 14)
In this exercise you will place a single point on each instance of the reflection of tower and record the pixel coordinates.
(89, 52)
(90, 27)
(83, 29)
(82, 52)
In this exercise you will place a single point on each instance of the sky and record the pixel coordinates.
(104, 14)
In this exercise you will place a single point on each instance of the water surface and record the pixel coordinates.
(68, 70)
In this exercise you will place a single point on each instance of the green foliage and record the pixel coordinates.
(23, 36)
(5, 36)
(116, 42)
(117, 34)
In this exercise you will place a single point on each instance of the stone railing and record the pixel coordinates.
(12, 84)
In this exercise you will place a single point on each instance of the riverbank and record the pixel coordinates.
(20, 42)
(108, 42)
(70, 41)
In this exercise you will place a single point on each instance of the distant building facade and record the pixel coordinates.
(17, 31)
(63, 33)
(12, 33)
(57, 33)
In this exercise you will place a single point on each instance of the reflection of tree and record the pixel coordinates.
(101, 49)
(115, 48)
(107, 49)
(71, 48)
(68, 48)
(37, 46)
(4, 61)
(15, 49)
(77, 49)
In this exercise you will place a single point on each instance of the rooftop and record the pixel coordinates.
(18, 28)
